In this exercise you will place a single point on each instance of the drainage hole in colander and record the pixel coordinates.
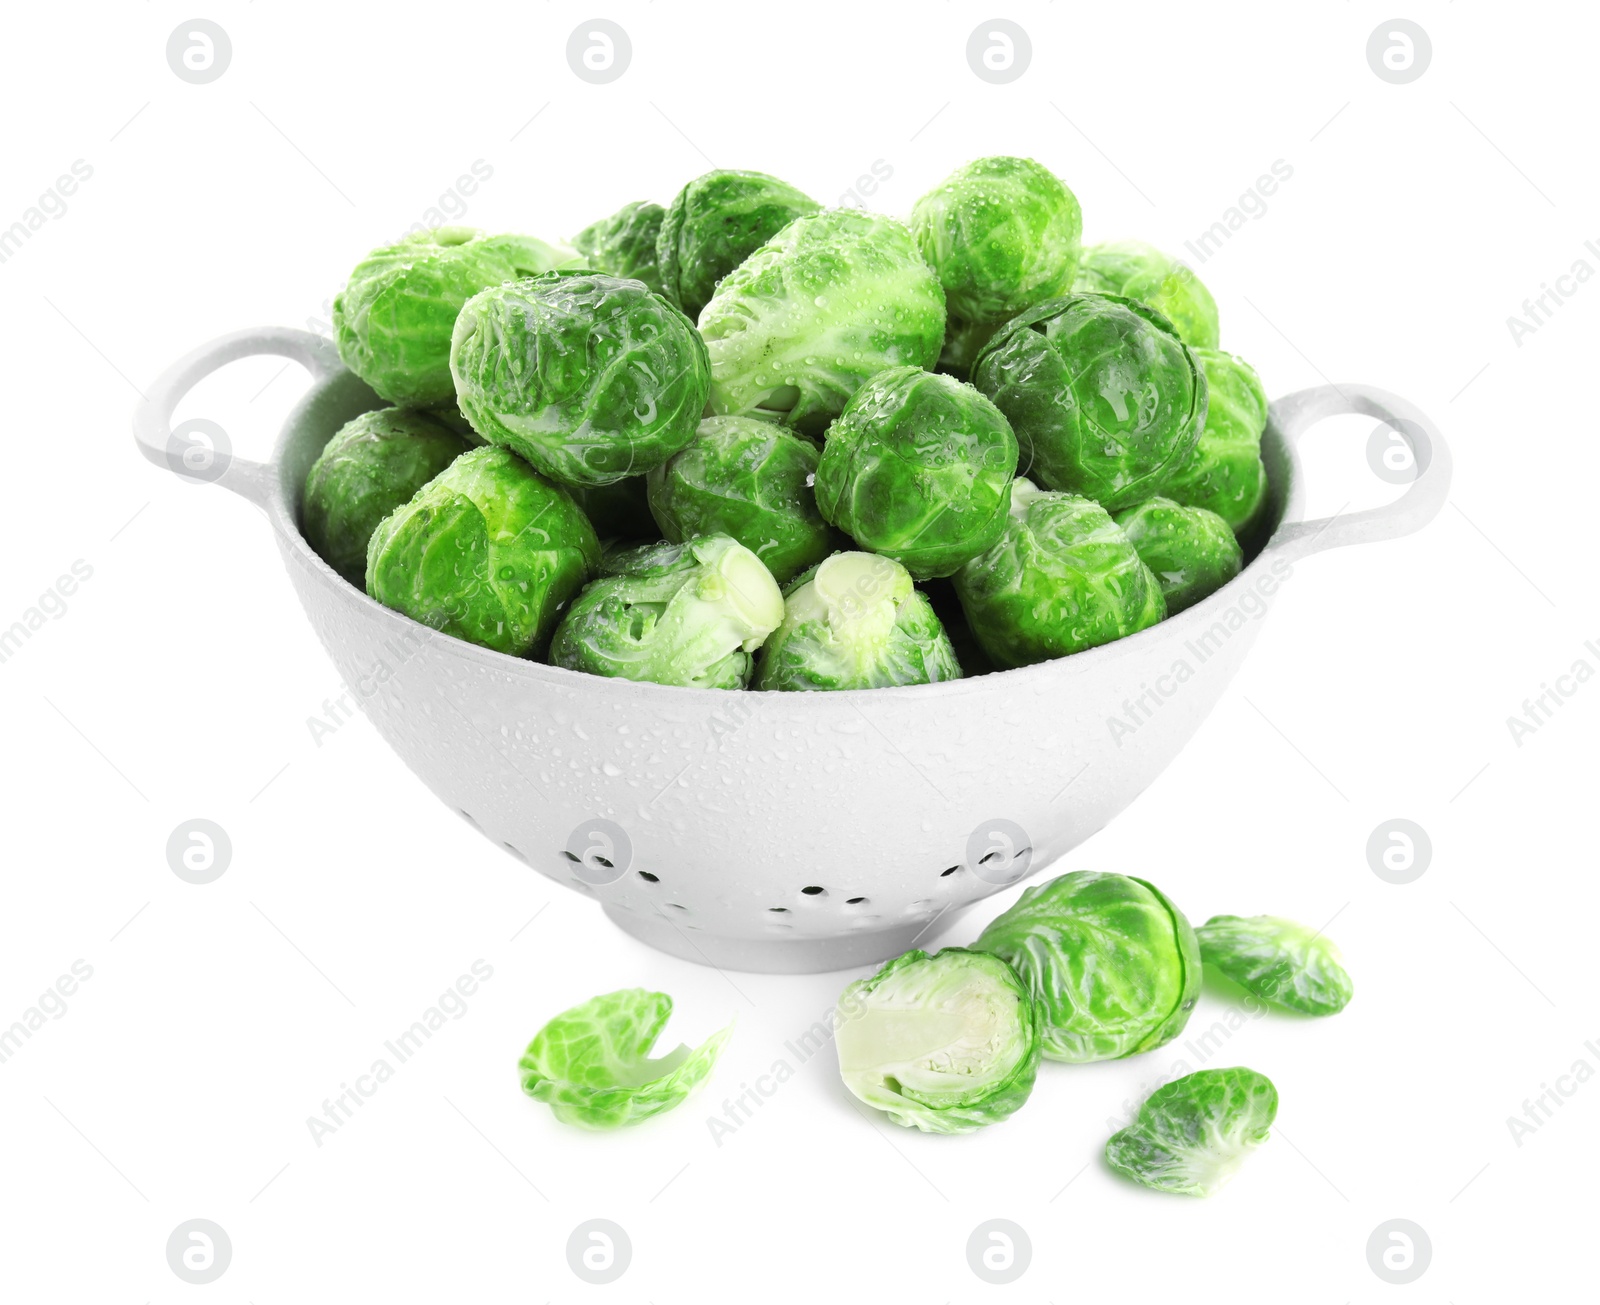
(649, 878)
(813, 891)
(945, 874)
(778, 908)
(514, 851)
(677, 906)
(467, 816)
(855, 901)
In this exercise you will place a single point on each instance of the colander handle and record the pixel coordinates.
(152, 418)
(1295, 414)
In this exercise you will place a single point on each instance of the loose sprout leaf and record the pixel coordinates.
(1277, 960)
(1191, 552)
(592, 1064)
(1192, 1135)
(944, 1043)
(1111, 963)
(1140, 271)
(1225, 474)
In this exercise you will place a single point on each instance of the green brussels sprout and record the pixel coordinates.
(1111, 963)
(1277, 960)
(1225, 473)
(946, 1043)
(714, 224)
(589, 377)
(618, 511)
(1104, 398)
(749, 479)
(1003, 235)
(1062, 577)
(963, 341)
(624, 244)
(488, 551)
(1140, 271)
(856, 622)
(393, 319)
(1191, 551)
(832, 299)
(918, 467)
(1192, 1135)
(591, 1065)
(371, 466)
(688, 614)
(947, 607)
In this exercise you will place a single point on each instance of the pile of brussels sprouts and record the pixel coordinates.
(743, 441)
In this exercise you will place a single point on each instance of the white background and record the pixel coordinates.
(179, 679)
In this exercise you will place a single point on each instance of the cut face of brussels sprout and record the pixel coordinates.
(624, 244)
(1277, 960)
(1003, 234)
(1063, 577)
(749, 479)
(488, 551)
(591, 1065)
(1192, 552)
(856, 622)
(392, 321)
(618, 511)
(590, 378)
(1140, 271)
(1104, 398)
(832, 299)
(714, 224)
(688, 614)
(1111, 964)
(370, 467)
(1225, 473)
(918, 467)
(1191, 1136)
(943, 1043)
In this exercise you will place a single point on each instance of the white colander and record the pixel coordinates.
(785, 832)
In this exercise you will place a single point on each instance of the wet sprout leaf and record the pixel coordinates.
(624, 244)
(1140, 271)
(591, 1065)
(1225, 473)
(1191, 1136)
(1277, 960)
(1191, 552)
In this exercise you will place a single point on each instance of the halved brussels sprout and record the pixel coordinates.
(1111, 963)
(832, 299)
(1277, 960)
(714, 224)
(749, 479)
(591, 1065)
(1225, 473)
(1002, 233)
(688, 614)
(488, 551)
(624, 244)
(1192, 1135)
(1062, 577)
(1104, 398)
(589, 377)
(944, 1043)
(372, 465)
(918, 467)
(1143, 272)
(1191, 551)
(856, 622)
(393, 319)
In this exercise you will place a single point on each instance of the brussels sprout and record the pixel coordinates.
(832, 299)
(488, 551)
(963, 341)
(918, 467)
(1225, 473)
(1191, 551)
(1143, 272)
(449, 414)
(749, 479)
(392, 321)
(618, 511)
(1062, 577)
(714, 224)
(1193, 1134)
(624, 244)
(1105, 400)
(856, 622)
(1002, 233)
(1112, 965)
(591, 1065)
(1278, 960)
(688, 614)
(945, 1043)
(589, 377)
(370, 467)
(947, 607)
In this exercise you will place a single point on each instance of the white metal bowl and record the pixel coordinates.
(784, 832)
